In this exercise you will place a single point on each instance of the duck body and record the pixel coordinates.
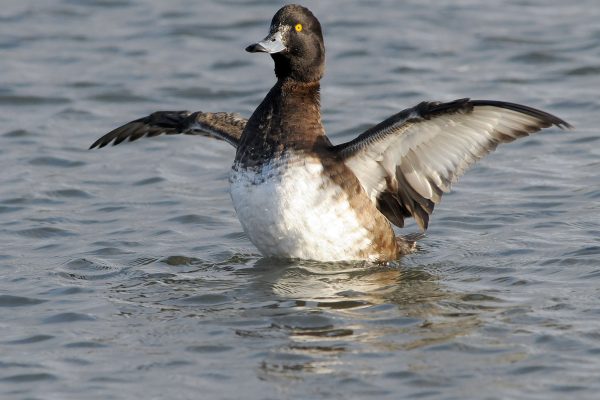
(291, 194)
(290, 207)
(299, 196)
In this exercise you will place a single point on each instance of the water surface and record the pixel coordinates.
(124, 272)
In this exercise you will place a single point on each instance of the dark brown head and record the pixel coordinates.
(295, 42)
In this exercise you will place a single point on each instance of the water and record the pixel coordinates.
(124, 272)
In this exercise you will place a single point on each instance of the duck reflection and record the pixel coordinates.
(344, 285)
(327, 310)
(301, 317)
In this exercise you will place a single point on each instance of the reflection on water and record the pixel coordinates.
(306, 317)
(346, 307)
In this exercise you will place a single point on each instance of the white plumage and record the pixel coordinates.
(289, 208)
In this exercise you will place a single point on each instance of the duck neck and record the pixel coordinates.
(299, 98)
(289, 118)
(296, 115)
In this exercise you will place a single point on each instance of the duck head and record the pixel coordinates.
(295, 42)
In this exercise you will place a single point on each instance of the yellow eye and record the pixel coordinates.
(298, 27)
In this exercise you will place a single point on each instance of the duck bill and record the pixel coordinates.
(271, 44)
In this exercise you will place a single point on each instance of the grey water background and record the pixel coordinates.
(125, 274)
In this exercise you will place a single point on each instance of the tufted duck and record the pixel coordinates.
(299, 196)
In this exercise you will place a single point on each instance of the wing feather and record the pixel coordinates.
(407, 162)
(220, 125)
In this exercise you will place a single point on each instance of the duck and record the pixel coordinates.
(299, 196)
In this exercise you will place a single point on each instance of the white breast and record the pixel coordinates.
(288, 208)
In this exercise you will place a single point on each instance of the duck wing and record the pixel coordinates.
(220, 125)
(408, 161)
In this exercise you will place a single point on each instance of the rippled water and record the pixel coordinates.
(124, 272)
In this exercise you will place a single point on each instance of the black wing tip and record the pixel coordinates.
(104, 141)
(550, 119)
(166, 119)
(428, 110)
(97, 144)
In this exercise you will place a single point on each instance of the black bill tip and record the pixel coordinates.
(256, 48)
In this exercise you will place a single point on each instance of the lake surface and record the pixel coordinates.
(125, 274)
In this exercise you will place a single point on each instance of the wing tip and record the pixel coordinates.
(543, 116)
(103, 141)
(564, 125)
(96, 144)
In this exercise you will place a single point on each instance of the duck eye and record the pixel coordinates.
(298, 27)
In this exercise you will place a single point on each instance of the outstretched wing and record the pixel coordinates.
(220, 125)
(408, 161)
